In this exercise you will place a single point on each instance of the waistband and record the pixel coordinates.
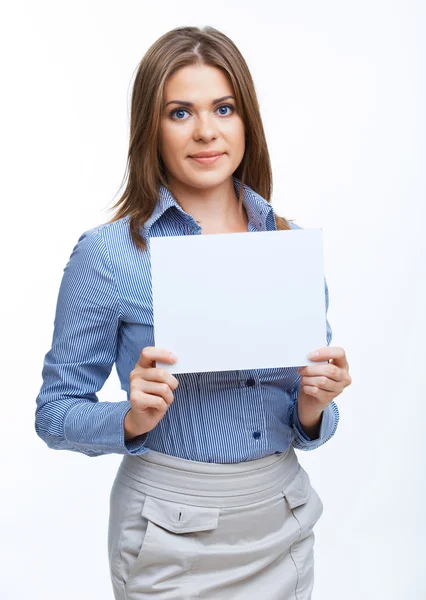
(208, 484)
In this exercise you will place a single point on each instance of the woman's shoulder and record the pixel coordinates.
(119, 227)
(109, 241)
(115, 236)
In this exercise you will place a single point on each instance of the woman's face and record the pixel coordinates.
(203, 126)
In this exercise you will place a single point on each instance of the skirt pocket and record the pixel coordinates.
(306, 508)
(180, 518)
(303, 501)
(166, 550)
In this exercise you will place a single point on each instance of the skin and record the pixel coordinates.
(206, 192)
(319, 385)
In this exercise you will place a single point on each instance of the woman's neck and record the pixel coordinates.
(214, 208)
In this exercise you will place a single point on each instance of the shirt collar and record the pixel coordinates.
(256, 206)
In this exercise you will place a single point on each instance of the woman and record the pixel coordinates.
(209, 500)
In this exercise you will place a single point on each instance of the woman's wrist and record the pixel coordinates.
(310, 417)
(311, 426)
(130, 430)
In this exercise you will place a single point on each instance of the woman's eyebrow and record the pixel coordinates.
(190, 104)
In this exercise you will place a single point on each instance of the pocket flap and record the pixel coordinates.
(298, 490)
(180, 518)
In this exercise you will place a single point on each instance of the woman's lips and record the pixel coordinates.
(207, 160)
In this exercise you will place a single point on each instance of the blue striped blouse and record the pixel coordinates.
(104, 316)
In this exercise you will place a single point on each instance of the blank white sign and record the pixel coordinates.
(234, 301)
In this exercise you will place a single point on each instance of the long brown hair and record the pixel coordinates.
(145, 168)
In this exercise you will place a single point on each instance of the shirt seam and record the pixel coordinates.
(120, 311)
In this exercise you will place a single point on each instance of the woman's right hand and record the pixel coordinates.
(150, 392)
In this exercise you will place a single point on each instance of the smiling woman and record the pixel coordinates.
(202, 143)
(199, 94)
(209, 500)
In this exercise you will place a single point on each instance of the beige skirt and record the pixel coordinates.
(186, 530)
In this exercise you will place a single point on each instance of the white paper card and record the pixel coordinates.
(236, 301)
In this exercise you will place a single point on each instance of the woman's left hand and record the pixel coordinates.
(320, 384)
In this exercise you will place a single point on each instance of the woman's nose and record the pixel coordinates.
(205, 127)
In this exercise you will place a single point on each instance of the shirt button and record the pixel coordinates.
(250, 382)
(256, 435)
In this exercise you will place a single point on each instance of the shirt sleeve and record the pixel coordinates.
(68, 415)
(330, 416)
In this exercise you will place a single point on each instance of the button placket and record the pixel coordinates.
(255, 424)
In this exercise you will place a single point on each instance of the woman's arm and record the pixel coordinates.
(326, 425)
(83, 351)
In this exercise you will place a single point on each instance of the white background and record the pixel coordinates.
(341, 88)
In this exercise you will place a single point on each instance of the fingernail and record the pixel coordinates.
(173, 356)
(313, 354)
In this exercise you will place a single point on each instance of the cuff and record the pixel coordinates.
(98, 428)
(330, 418)
(299, 427)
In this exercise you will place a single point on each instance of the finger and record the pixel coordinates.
(337, 354)
(157, 389)
(150, 354)
(143, 401)
(160, 375)
(329, 370)
(320, 395)
(321, 383)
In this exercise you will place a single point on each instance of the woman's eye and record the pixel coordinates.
(226, 106)
(174, 113)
